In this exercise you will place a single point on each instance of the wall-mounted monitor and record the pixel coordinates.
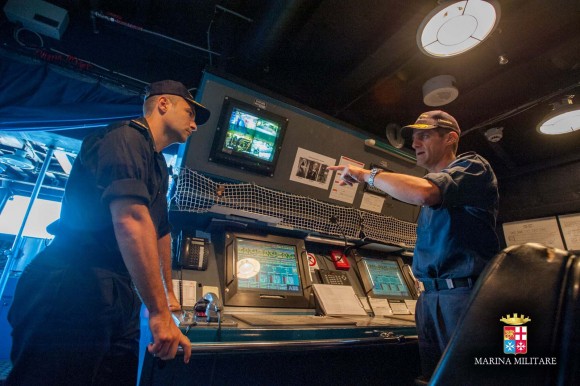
(385, 278)
(266, 271)
(248, 137)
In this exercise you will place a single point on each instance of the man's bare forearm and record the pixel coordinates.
(164, 247)
(137, 241)
(407, 188)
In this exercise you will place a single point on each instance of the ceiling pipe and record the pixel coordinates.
(520, 109)
(111, 19)
(227, 10)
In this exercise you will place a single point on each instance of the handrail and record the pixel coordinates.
(13, 253)
(317, 344)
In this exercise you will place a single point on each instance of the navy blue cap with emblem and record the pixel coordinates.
(172, 87)
(431, 120)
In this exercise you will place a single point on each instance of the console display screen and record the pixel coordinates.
(386, 278)
(267, 266)
(265, 270)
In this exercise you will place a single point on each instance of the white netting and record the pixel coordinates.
(197, 193)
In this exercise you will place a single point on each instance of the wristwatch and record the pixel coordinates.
(374, 172)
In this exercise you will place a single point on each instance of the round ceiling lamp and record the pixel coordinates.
(565, 118)
(454, 27)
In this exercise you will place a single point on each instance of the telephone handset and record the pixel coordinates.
(193, 252)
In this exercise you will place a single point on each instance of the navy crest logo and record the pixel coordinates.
(515, 334)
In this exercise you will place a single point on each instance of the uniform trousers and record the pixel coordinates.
(74, 323)
(437, 315)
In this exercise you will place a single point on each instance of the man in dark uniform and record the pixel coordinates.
(313, 171)
(75, 315)
(456, 227)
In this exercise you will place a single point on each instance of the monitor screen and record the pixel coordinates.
(267, 266)
(384, 278)
(248, 137)
(266, 271)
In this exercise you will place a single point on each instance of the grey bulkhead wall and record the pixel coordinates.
(305, 130)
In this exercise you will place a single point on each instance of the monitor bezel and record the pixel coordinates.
(368, 283)
(239, 160)
(237, 296)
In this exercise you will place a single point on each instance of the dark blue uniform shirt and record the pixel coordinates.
(118, 162)
(457, 238)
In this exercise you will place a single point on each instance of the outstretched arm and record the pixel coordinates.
(137, 240)
(410, 189)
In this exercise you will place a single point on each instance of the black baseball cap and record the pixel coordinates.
(173, 87)
(431, 120)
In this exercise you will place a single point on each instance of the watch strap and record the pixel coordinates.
(374, 172)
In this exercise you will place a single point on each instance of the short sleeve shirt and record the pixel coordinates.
(118, 162)
(457, 237)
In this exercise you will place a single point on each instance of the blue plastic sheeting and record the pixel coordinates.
(38, 96)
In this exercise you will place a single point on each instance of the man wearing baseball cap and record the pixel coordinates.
(75, 314)
(171, 87)
(455, 230)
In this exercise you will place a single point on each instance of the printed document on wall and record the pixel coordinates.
(570, 224)
(372, 202)
(344, 193)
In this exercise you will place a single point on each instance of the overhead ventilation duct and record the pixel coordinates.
(440, 90)
(278, 19)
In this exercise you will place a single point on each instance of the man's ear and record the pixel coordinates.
(163, 104)
(453, 137)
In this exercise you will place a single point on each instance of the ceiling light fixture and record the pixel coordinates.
(494, 134)
(564, 118)
(440, 90)
(454, 27)
(503, 59)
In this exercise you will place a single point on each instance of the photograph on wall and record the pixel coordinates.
(310, 168)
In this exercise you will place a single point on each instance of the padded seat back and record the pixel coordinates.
(528, 281)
